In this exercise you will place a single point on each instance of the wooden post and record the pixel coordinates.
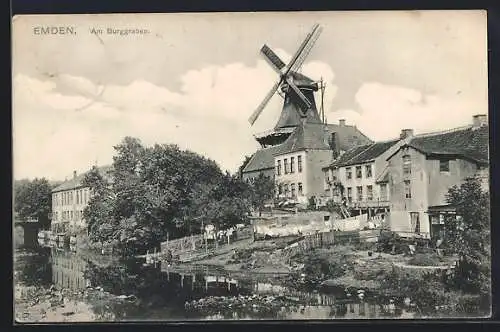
(182, 280)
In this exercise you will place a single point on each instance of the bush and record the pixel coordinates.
(389, 240)
(363, 245)
(426, 260)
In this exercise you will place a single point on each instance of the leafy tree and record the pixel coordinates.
(160, 191)
(262, 190)
(33, 199)
(468, 234)
(99, 211)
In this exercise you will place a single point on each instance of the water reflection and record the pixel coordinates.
(160, 292)
(68, 269)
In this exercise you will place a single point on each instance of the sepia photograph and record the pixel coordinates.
(251, 166)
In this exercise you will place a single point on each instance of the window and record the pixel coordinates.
(407, 189)
(293, 189)
(415, 222)
(368, 171)
(77, 197)
(359, 190)
(348, 173)
(278, 168)
(383, 192)
(287, 189)
(349, 194)
(358, 172)
(406, 164)
(85, 196)
(300, 189)
(369, 193)
(292, 164)
(285, 165)
(71, 215)
(299, 164)
(280, 189)
(444, 165)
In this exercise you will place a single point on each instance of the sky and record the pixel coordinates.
(194, 80)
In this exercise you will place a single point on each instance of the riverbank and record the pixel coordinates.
(35, 304)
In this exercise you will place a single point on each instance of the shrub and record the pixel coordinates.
(426, 260)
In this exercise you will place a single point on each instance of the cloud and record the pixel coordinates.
(67, 122)
(386, 109)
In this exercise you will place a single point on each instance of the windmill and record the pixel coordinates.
(297, 88)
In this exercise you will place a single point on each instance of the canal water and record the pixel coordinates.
(161, 293)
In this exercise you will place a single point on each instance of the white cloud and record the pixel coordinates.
(386, 109)
(69, 122)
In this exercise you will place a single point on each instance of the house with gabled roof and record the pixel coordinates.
(421, 171)
(296, 163)
(69, 199)
(357, 179)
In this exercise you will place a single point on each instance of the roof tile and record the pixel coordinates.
(469, 143)
(77, 182)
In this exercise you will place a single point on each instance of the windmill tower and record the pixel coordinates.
(299, 105)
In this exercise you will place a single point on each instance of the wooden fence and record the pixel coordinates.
(313, 241)
(195, 244)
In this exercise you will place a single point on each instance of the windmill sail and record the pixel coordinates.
(307, 49)
(263, 104)
(305, 104)
(272, 58)
(287, 73)
(301, 49)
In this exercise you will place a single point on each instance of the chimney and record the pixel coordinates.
(74, 174)
(342, 122)
(334, 145)
(406, 133)
(479, 120)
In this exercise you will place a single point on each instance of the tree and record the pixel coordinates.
(468, 235)
(99, 211)
(262, 190)
(33, 199)
(158, 192)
